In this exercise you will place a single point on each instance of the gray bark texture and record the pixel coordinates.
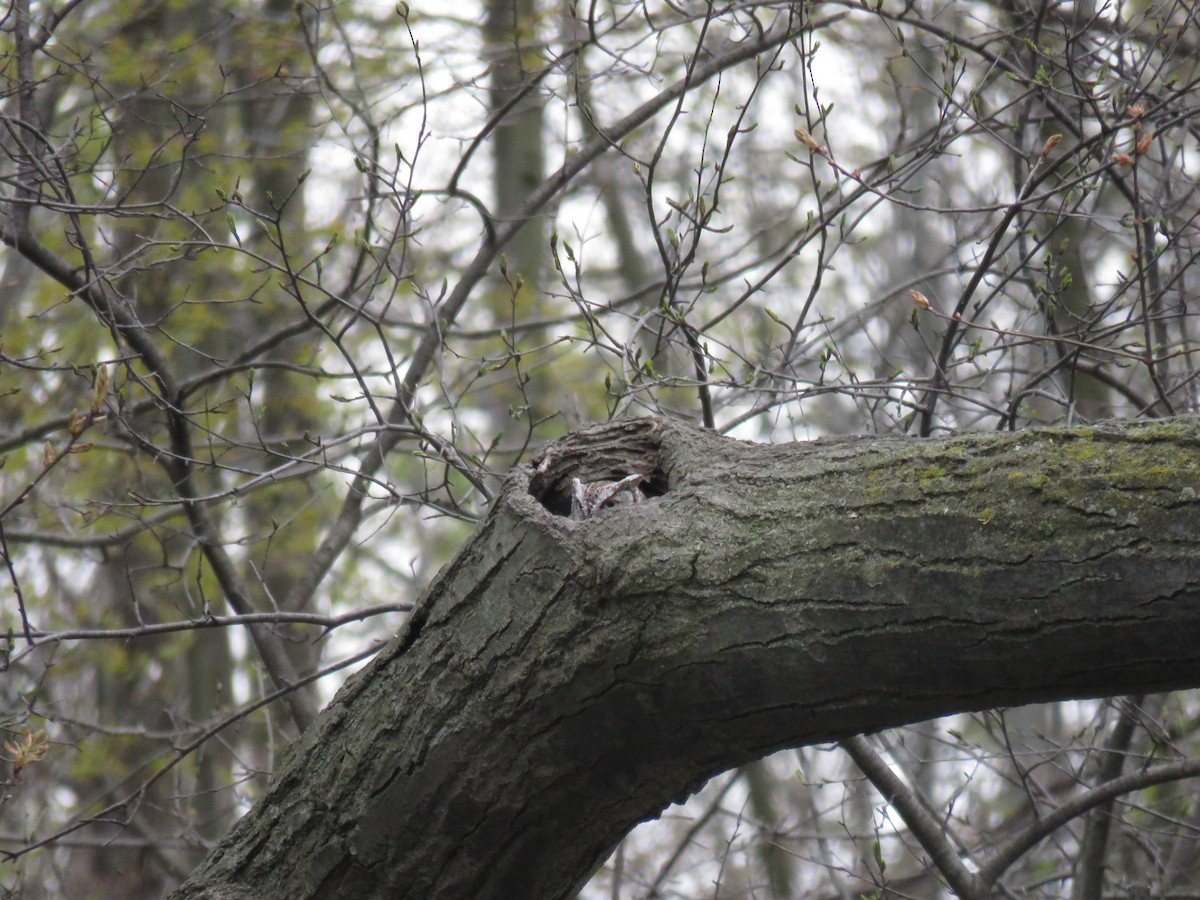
(563, 680)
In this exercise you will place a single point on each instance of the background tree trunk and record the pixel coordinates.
(564, 680)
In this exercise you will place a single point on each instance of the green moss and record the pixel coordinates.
(930, 473)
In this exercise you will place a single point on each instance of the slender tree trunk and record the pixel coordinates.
(563, 680)
(518, 150)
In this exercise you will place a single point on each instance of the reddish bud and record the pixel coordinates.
(920, 299)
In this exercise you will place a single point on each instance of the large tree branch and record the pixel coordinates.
(562, 681)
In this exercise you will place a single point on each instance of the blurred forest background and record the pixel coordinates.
(287, 287)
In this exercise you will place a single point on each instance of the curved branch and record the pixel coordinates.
(614, 664)
(131, 332)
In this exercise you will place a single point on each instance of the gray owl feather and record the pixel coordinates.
(597, 498)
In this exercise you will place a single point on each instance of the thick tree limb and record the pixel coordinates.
(562, 681)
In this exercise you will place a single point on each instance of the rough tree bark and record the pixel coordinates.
(562, 681)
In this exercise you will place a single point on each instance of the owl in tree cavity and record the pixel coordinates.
(590, 501)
